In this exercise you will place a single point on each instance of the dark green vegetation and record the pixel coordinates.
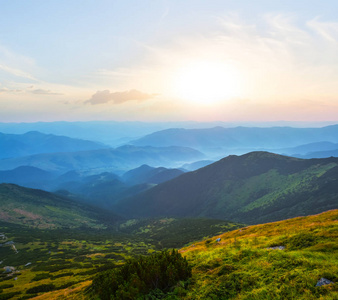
(243, 265)
(61, 258)
(41, 209)
(151, 276)
(53, 260)
(175, 233)
(253, 188)
(240, 266)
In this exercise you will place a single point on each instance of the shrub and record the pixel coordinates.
(136, 278)
(6, 286)
(41, 288)
(63, 275)
(41, 276)
(301, 240)
(8, 295)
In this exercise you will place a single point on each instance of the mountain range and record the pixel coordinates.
(33, 142)
(115, 133)
(118, 160)
(252, 188)
(222, 141)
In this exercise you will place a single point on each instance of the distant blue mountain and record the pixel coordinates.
(196, 165)
(312, 150)
(221, 141)
(117, 160)
(147, 174)
(33, 142)
(28, 177)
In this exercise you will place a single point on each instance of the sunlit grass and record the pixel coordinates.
(241, 266)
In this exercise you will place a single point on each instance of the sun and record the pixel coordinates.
(206, 82)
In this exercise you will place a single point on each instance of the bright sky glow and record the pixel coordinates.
(206, 82)
(151, 60)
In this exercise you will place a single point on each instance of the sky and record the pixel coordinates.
(168, 60)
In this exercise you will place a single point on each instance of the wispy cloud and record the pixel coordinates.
(328, 30)
(7, 90)
(101, 97)
(44, 92)
(17, 72)
(29, 90)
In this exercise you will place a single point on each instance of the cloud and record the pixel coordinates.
(106, 96)
(17, 72)
(44, 92)
(29, 90)
(7, 90)
(328, 30)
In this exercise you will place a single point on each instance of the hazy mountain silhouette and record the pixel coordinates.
(18, 145)
(147, 174)
(117, 160)
(239, 140)
(27, 176)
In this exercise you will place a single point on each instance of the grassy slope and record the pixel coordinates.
(36, 208)
(64, 258)
(175, 233)
(241, 267)
(68, 258)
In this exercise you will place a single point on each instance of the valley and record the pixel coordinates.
(72, 216)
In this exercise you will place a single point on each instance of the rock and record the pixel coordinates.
(277, 248)
(9, 269)
(323, 281)
(218, 240)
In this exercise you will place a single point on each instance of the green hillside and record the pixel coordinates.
(254, 188)
(244, 264)
(282, 260)
(40, 209)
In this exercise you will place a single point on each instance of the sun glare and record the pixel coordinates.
(206, 82)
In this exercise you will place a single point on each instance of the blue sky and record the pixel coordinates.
(168, 60)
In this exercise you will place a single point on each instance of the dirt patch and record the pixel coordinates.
(27, 214)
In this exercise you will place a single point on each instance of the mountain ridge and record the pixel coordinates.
(255, 187)
(34, 142)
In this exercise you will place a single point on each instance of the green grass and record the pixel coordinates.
(242, 267)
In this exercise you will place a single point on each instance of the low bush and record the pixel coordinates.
(301, 240)
(136, 278)
(41, 288)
